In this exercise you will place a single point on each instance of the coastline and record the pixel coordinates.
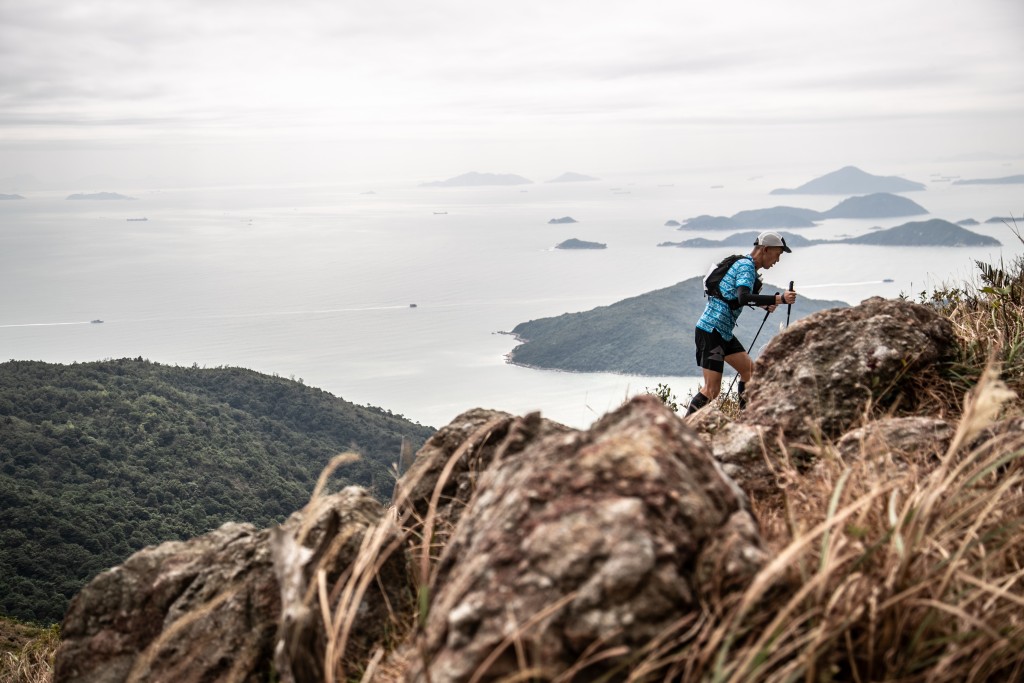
(523, 340)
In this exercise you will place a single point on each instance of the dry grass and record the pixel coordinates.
(32, 662)
(988, 318)
(909, 577)
(401, 531)
(910, 573)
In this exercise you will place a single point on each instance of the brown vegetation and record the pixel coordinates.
(26, 652)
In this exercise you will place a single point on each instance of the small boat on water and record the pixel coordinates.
(96, 321)
(130, 220)
(888, 279)
(412, 305)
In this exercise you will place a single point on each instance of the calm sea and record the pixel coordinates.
(395, 295)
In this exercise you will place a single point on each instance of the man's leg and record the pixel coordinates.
(710, 357)
(744, 365)
(712, 387)
(712, 384)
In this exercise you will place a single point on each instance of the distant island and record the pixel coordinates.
(852, 180)
(936, 232)
(650, 334)
(563, 219)
(876, 205)
(1008, 180)
(11, 196)
(968, 221)
(776, 217)
(100, 195)
(474, 179)
(573, 243)
(931, 233)
(569, 177)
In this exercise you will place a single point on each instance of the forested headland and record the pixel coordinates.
(98, 460)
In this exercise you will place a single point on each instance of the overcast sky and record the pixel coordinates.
(216, 90)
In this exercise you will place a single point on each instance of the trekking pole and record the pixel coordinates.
(766, 314)
(789, 307)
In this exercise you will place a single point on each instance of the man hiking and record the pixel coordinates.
(739, 287)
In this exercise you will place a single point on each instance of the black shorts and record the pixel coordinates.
(712, 349)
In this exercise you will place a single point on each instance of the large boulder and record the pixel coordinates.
(586, 540)
(448, 466)
(179, 611)
(210, 608)
(821, 373)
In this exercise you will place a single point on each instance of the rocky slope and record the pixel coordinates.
(640, 549)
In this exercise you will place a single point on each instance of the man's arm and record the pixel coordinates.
(745, 297)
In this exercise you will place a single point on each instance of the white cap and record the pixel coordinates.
(772, 239)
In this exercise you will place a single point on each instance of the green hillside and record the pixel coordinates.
(98, 460)
(649, 334)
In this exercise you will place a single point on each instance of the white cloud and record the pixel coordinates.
(450, 73)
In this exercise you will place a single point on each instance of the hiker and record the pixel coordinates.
(739, 287)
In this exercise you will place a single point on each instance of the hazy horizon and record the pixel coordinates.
(191, 93)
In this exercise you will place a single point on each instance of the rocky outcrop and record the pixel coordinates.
(823, 371)
(819, 378)
(529, 545)
(584, 541)
(180, 611)
(562, 542)
(218, 607)
(444, 476)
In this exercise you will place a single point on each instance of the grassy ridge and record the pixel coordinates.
(98, 460)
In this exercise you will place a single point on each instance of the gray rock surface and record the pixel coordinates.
(465, 447)
(210, 608)
(822, 371)
(586, 540)
(179, 611)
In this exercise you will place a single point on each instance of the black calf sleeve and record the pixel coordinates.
(698, 401)
(740, 398)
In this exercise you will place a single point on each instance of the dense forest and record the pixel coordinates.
(98, 460)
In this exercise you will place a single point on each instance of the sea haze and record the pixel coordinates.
(317, 282)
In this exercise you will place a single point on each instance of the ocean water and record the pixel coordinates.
(317, 282)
